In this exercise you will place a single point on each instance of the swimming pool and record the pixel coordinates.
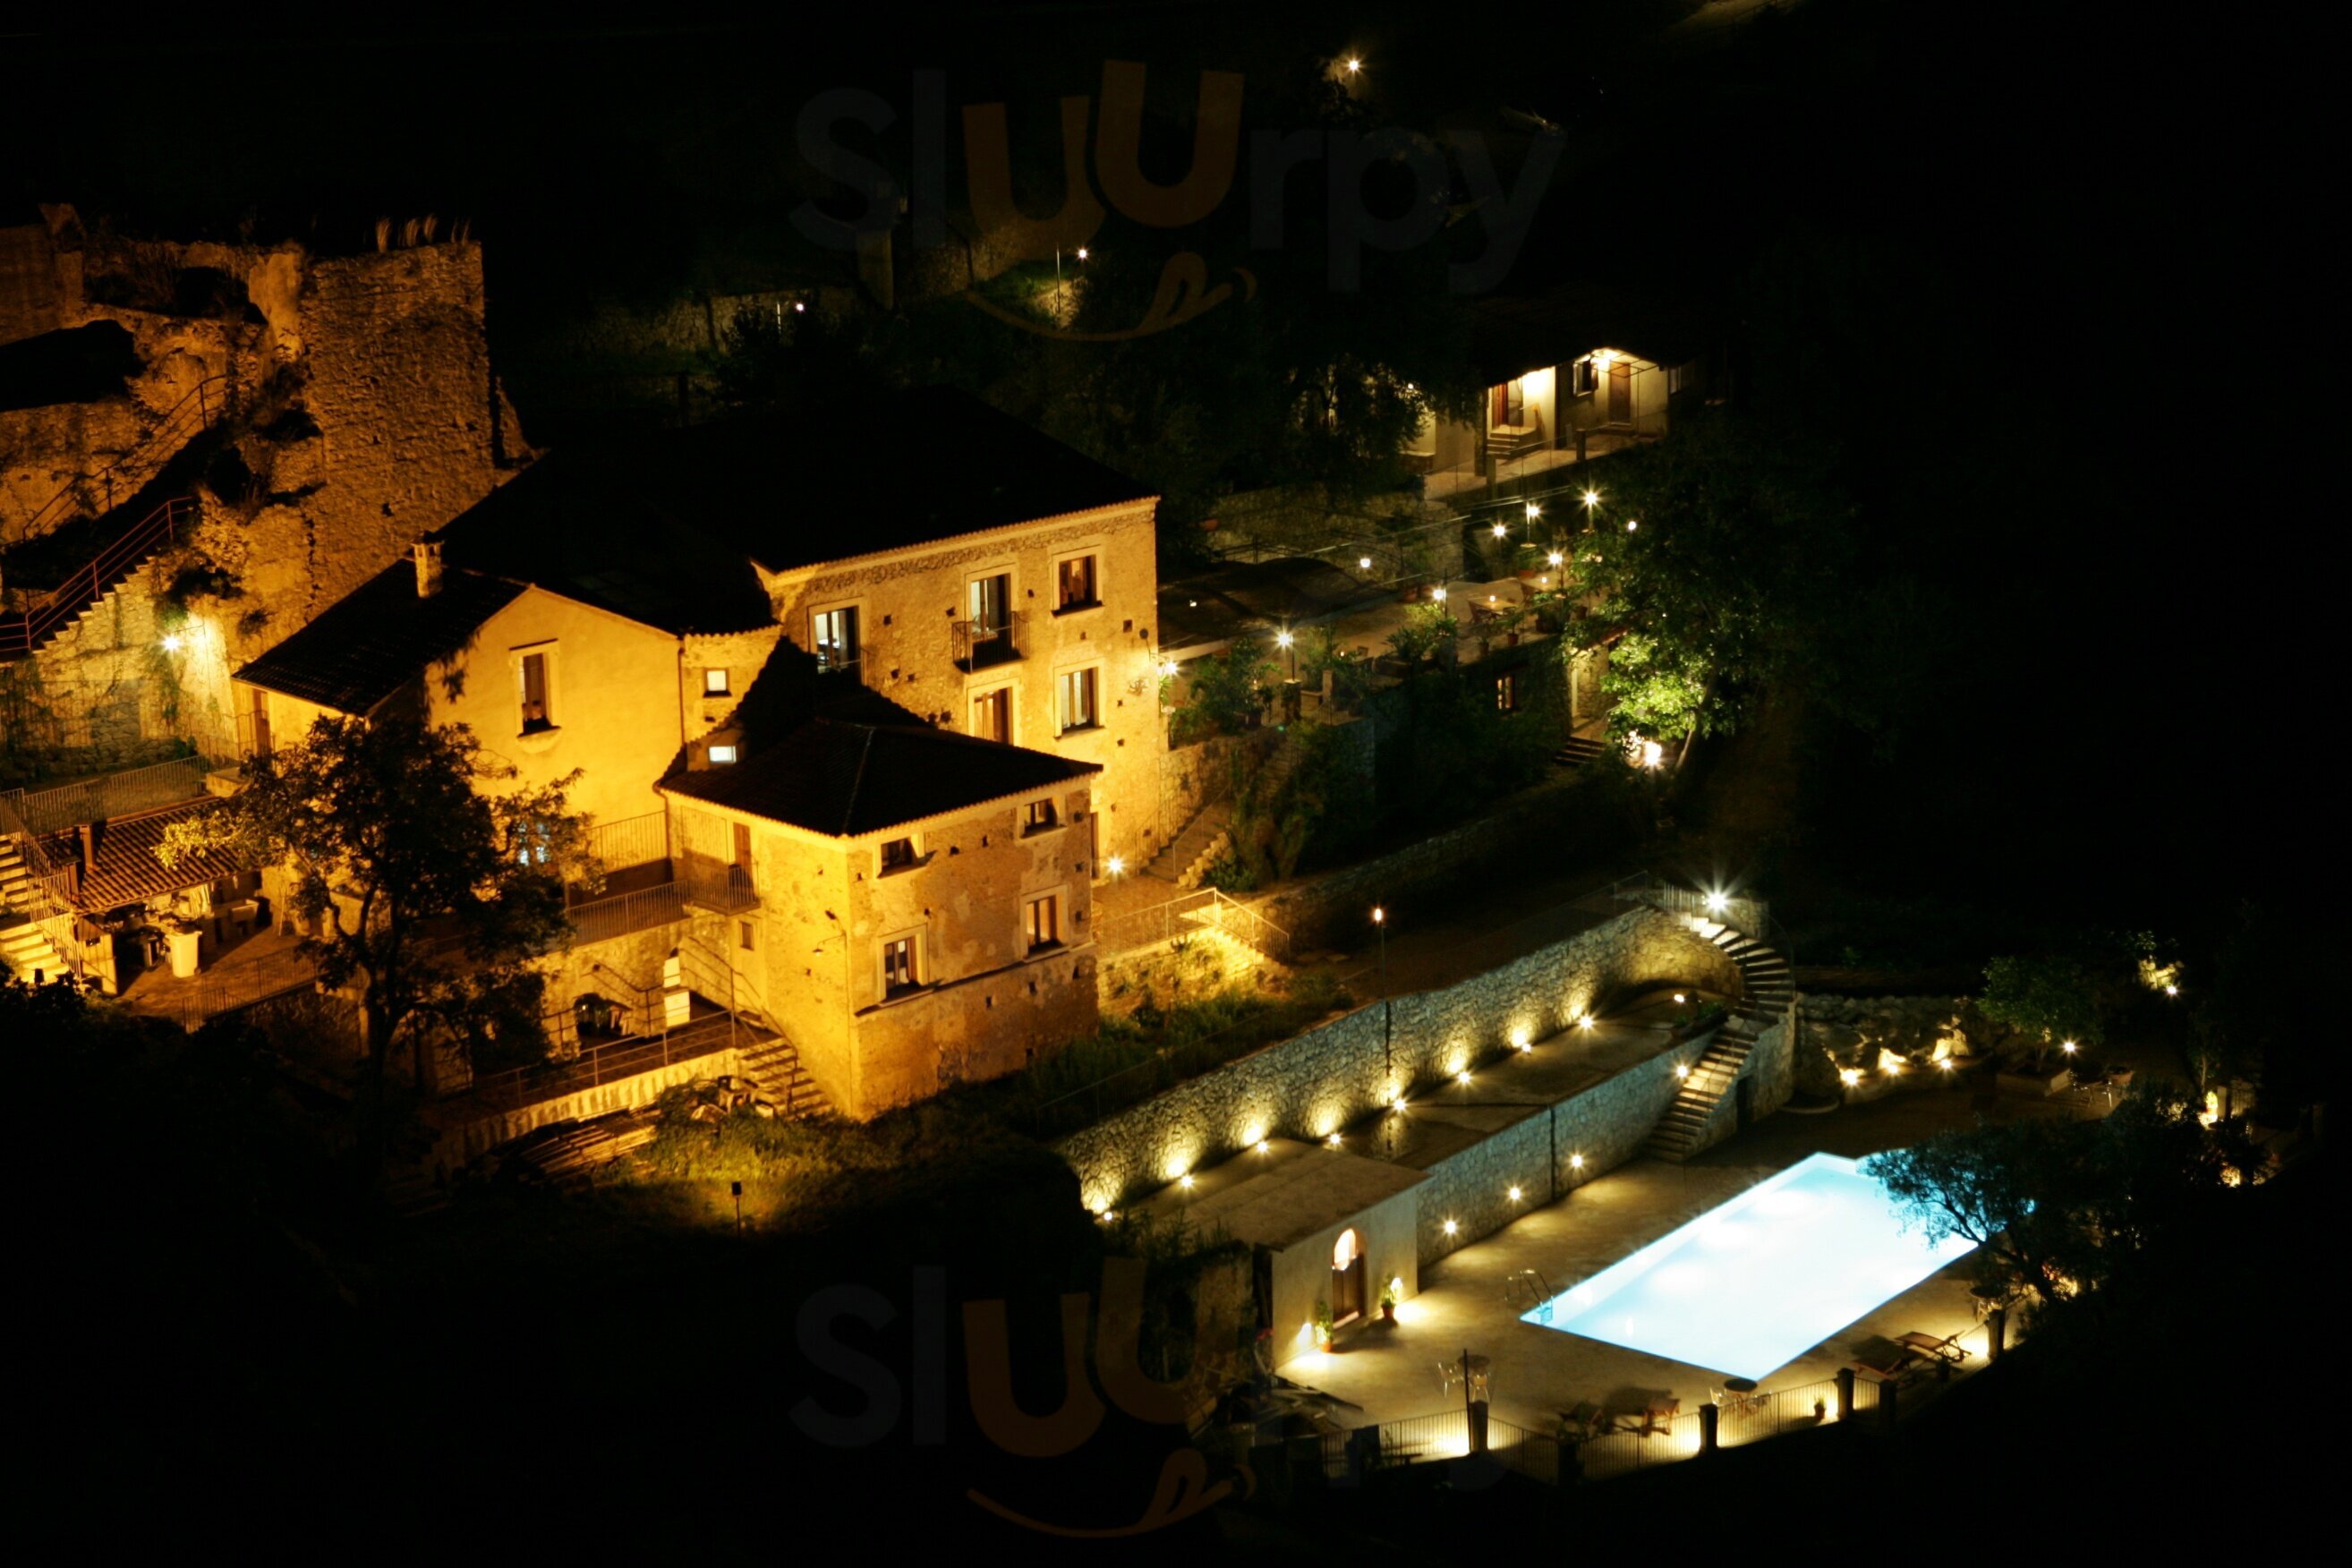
(1754, 1283)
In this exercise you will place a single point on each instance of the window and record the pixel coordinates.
(898, 855)
(533, 841)
(1687, 376)
(1045, 922)
(720, 755)
(1079, 709)
(746, 937)
(535, 713)
(991, 715)
(714, 683)
(1584, 376)
(1040, 817)
(992, 599)
(1507, 692)
(899, 966)
(835, 632)
(1075, 584)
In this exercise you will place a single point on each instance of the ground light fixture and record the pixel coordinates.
(1116, 865)
(1515, 1194)
(1501, 527)
(1363, 563)
(1679, 997)
(1534, 511)
(1715, 904)
(1554, 558)
(1463, 1079)
(1849, 1076)
(1585, 1022)
(1437, 595)
(1682, 1070)
(1451, 1227)
(1576, 1162)
(172, 642)
(1333, 1140)
(1264, 1147)
(1591, 500)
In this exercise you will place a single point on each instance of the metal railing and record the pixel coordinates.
(182, 423)
(727, 889)
(116, 795)
(631, 841)
(601, 1064)
(979, 643)
(23, 631)
(1419, 1439)
(1202, 909)
(601, 920)
(50, 886)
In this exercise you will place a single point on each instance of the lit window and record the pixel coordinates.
(1041, 816)
(745, 937)
(897, 854)
(991, 715)
(1507, 692)
(834, 633)
(721, 756)
(536, 715)
(1045, 922)
(1585, 376)
(1075, 583)
(714, 683)
(1079, 709)
(899, 966)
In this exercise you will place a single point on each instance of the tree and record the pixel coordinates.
(1724, 555)
(1228, 689)
(422, 890)
(2050, 999)
(2062, 1209)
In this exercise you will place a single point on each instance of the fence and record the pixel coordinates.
(115, 795)
(1628, 1443)
(631, 841)
(600, 1065)
(599, 920)
(1202, 909)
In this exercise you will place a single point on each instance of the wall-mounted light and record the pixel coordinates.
(1591, 500)
(1576, 1162)
(1116, 865)
(171, 642)
(1500, 529)
(1451, 1227)
(1438, 595)
(1515, 1194)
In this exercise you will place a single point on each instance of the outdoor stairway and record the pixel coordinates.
(774, 1067)
(25, 945)
(1766, 992)
(25, 632)
(1205, 838)
(1510, 443)
(1577, 751)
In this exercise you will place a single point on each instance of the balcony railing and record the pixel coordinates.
(600, 920)
(631, 841)
(979, 643)
(727, 889)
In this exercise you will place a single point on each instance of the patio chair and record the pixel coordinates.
(1587, 1421)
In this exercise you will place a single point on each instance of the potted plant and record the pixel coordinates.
(1388, 1301)
(1508, 620)
(1322, 1325)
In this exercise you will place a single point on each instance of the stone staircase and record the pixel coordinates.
(1767, 990)
(1509, 444)
(774, 1067)
(63, 609)
(1579, 751)
(1205, 838)
(25, 946)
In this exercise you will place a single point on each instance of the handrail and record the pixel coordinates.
(55, 885)
(197, 395)
(23, 631)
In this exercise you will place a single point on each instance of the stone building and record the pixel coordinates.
(912, 907)
(201, 446)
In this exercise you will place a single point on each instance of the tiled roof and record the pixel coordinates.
(125, 869)
(379, 638)
(845, 779)
(1513, 335)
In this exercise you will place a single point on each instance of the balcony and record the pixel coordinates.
(711, 885)
(981, 644)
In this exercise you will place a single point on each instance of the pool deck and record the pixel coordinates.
(1391, 1371)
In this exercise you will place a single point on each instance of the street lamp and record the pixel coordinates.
(1591, 500)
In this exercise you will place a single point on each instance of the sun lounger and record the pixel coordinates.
(1927, 1347)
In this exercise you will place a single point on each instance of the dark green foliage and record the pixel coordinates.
(1450, 750)
(2060, 1208)
(1229, 693)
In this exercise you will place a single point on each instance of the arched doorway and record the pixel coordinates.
(1347, 1272)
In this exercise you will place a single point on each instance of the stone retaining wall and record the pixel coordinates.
(1309, 1086)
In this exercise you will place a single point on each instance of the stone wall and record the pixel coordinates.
(460, 1139)
(1606, 1126)
(1165, 974)
(1329, 907)
(1314, 1084)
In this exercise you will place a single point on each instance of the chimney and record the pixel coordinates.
(428, 568)
(89, 848)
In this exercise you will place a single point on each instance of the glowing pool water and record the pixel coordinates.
(1748, 1287)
